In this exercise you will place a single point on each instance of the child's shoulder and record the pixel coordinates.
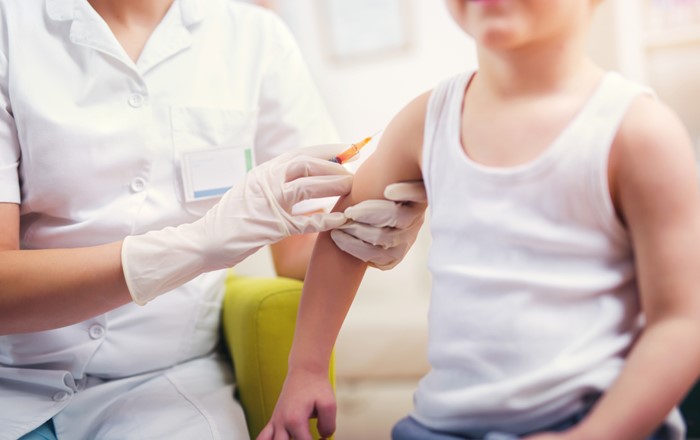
(398, 156)
(652, 154)
(403, 137)
(408, 126)
(412, 117)
(650, 126)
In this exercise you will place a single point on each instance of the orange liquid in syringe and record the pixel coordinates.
(351, 151)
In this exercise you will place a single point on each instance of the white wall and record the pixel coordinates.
(363, 97)
(618, 42)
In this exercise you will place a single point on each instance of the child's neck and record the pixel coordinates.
(516, 106)
(534, 70)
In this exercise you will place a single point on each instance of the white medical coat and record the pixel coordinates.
(90, 144)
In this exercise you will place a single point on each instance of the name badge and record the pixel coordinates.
(207, 174)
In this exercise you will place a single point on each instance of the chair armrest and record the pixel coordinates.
(258, 319)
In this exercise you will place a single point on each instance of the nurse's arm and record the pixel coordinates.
(291, 256)
(47, 289)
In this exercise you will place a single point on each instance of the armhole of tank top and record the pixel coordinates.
(438, 104)
(608, 214)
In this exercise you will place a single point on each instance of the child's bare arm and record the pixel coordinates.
(654, 186)
(332, 281)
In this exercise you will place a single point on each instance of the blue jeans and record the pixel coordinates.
(409, 429)
(44, 432)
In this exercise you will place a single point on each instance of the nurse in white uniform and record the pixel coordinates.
(118, 121)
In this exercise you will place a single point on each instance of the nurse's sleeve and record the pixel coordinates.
(9, 144)
(292, 113)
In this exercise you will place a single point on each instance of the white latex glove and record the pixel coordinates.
(254, 213)
(382, 231)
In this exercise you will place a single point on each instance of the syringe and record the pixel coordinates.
(352, 150)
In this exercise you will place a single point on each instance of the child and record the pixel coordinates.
(564, 207)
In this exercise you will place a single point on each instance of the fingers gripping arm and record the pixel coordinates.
(380, 232)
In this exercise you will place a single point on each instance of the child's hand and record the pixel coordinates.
(304, 395)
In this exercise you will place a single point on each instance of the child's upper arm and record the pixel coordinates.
(334, 276)
(9, 232)
(654, 186)
(397, 157)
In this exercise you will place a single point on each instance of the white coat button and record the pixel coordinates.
(138, 184)
(96, 331)
(60, 396)
(136, 100)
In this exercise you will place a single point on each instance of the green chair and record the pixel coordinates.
(259, 315)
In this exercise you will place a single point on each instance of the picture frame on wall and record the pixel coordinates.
(672, 23)
(353, 30)
(670, 14)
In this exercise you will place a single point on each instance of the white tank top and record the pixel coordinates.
(534, 296)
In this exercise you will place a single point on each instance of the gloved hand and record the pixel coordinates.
(382, 231)
(252, 214)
